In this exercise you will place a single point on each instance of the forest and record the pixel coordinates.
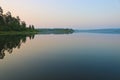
(11, 23)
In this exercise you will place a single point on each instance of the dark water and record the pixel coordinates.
(77, 56)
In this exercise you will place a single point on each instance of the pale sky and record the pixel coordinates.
(66, 13)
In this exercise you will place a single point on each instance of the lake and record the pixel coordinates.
(77, 56)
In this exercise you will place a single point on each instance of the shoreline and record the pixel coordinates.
(38, 31)
(17, 32)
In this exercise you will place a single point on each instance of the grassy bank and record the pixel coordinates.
(17, 32)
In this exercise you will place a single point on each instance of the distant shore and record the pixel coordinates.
(104, 31)
(55, 31)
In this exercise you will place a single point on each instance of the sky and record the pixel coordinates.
(66, 13)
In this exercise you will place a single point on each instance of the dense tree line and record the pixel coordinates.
(10, 23)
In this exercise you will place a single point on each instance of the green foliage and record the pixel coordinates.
(10, 23)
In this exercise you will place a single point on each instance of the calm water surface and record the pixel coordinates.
(78, 56)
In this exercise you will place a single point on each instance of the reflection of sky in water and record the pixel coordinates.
(93, 56)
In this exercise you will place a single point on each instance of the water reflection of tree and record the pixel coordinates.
(8, 43)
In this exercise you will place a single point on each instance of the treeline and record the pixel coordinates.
(10, 23)
(56, 31)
